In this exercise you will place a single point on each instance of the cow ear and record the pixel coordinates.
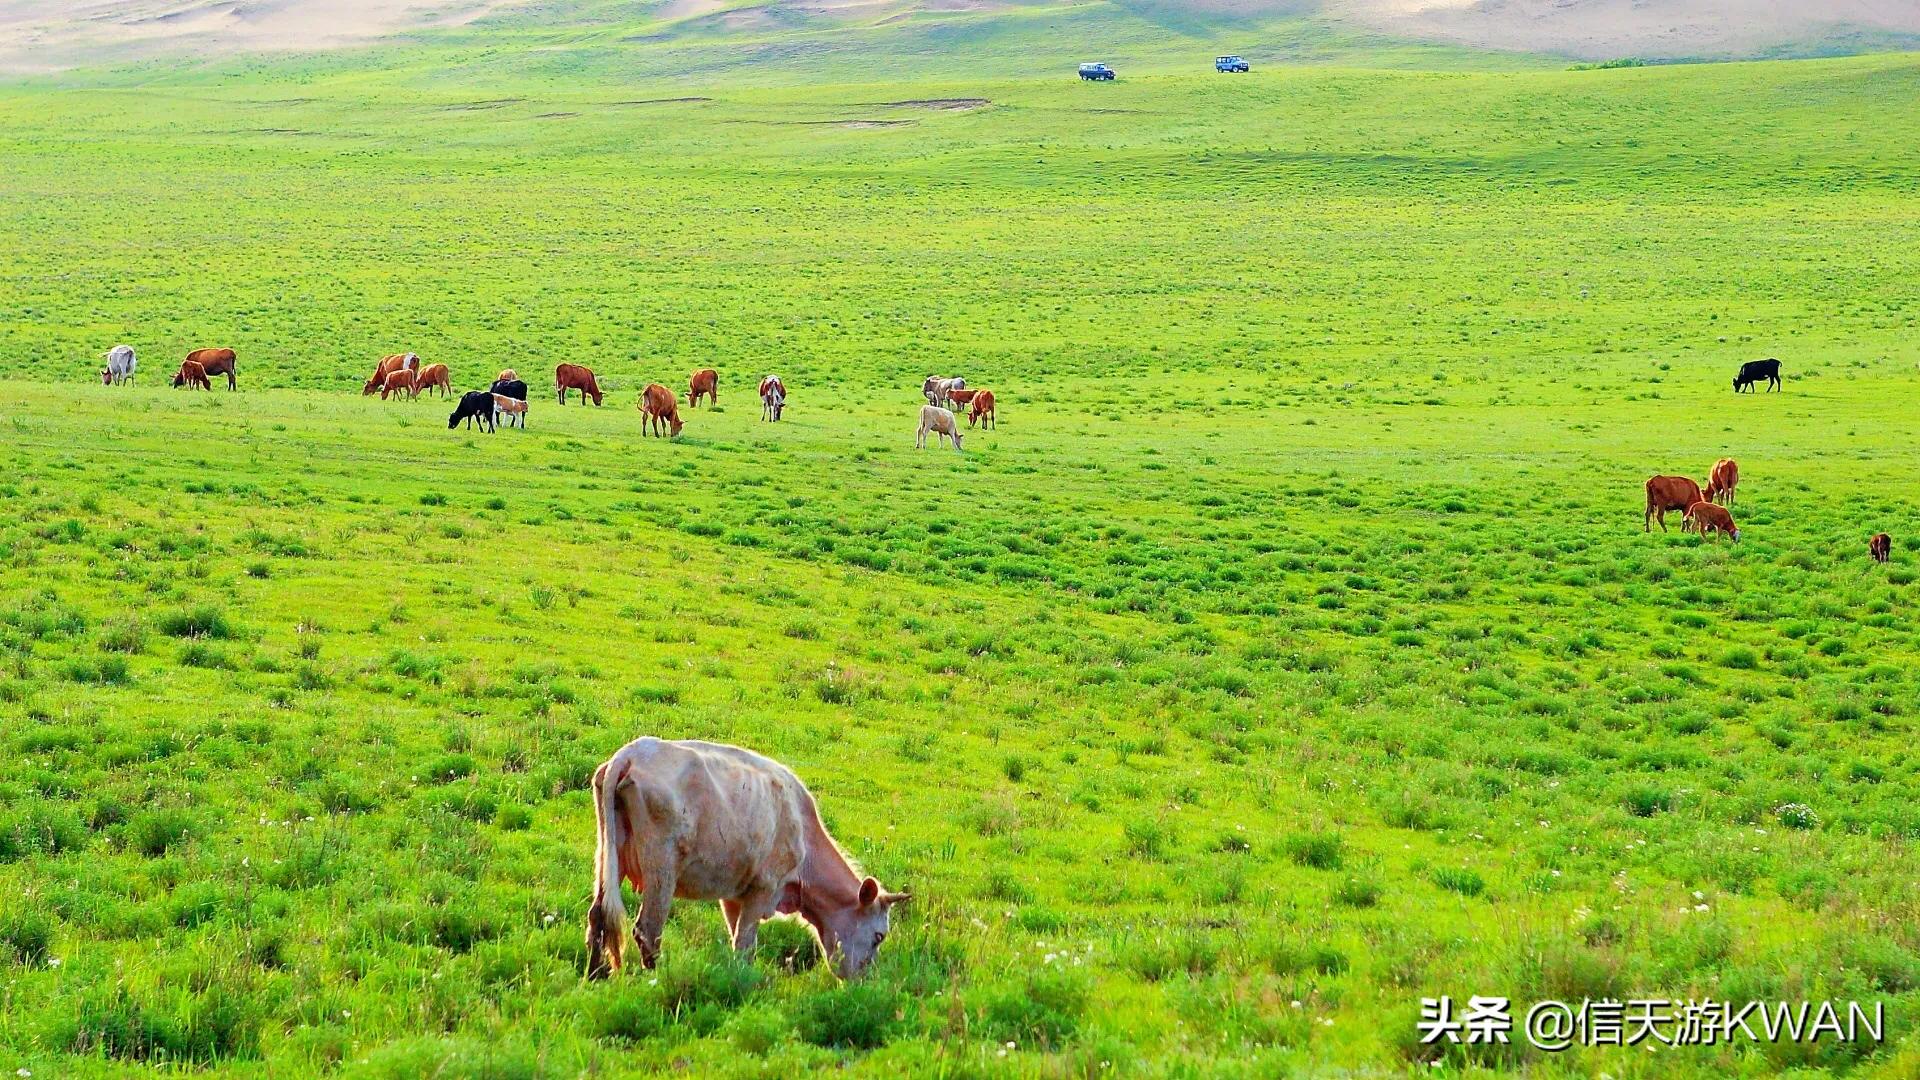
(893, 898)
(869, 892)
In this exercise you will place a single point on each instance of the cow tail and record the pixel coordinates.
(606, 918)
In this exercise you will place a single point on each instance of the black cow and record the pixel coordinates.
(1754, 370)
(513, 388)
(474, 405)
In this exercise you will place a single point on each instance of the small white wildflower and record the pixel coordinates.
(1698, 895)
(1699, 907)
(1296, 1004)
(1012, 1045)
(53, 961)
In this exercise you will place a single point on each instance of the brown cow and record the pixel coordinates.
(213, 362)
(1880, 546)
(706, 821)
(983, 410)
(387, 366)
(191, 375)
(1722, 480)
(574, 377)
(403, 382)
(434, 376)
(1666, 493)
(1706, 518)
(961, 397)
(705, 381)
(661, 408)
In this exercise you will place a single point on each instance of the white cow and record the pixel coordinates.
(704, 821)
(939, 391)
(119, 367)
(773, 397)
(937, 418)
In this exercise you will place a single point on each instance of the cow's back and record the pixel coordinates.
(731, 816)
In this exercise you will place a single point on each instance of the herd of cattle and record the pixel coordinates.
(1705, 508)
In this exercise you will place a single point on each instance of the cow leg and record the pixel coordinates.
(655, 903)
(749, 913)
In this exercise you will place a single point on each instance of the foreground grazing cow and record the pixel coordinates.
(192, 375)
(1722, 480)
(937, 419)
(475, 405)
(1753, 371)
(402, 383)
(659, 408)
(1880, 546)
(387, 366)
(1706, 517)
(511, 408)
(212, 362)
(574, 377)
(773, 398)
(512, 388)
(704, 821)
(434, 377)
(119, 367)
(983, 410)
(1666, 493)
(706, 382)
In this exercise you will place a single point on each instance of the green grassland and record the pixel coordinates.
(1292, 650)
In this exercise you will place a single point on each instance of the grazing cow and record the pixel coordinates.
(983, 410)
(773, 398)
(937, 419)
(660, 408)
(1722, 480)
(434, 377)
(512, 388)
(927, 384)
(212, 362)
(706, 821)
(191, 375)
(705, 381)
(574, 377)
(511, 408)
(475, 405)
(387, 366)
(1706, 517)
(119, 367)
(940, 391)
(1666, 493)
(960, 397)
(1880, 546)
(404, 383)
(1753, 371)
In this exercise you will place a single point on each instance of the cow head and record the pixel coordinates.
(180, 377)
(1735, 534)
(106, 376)
(677, 425)
(852, 935)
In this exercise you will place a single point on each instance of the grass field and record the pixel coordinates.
(1286, 655)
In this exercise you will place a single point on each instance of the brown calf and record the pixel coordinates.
(1880, 546)
(983, 410)
(660, 409)
(1707, 518)
(705, 382)
(192, 375)
(402, 383)
(1722, 480)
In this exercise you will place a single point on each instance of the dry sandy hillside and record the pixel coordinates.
(1652, 29)
(49, 35)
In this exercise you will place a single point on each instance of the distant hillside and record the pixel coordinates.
(56, 35)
